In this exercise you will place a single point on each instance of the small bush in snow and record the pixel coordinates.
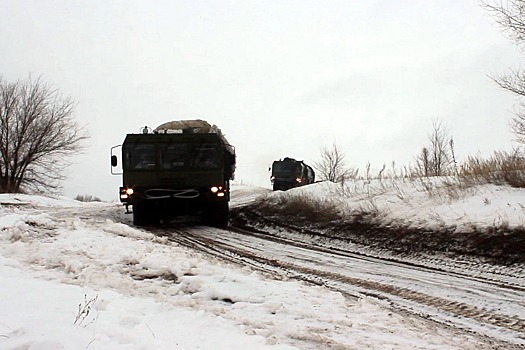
(87, 198)
(84, 310)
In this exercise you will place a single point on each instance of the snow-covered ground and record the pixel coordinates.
(59, 257)
(427, 203)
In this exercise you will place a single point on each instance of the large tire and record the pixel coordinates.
(218, 215)
(144, 216)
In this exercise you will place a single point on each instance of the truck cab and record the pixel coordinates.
(181, 172)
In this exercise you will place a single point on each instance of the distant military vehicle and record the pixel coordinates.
(289, 173)
(180, 168)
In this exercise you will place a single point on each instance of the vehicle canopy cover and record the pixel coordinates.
(198, 126)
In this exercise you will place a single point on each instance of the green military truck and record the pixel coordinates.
(180, 168)
(289, 173)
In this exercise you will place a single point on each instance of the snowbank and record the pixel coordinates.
(433, 203)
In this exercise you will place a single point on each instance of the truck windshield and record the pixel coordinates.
(206, 156)
(286, 168)
(141, 156)
(182, 155)
(149, 156)
(173, 156)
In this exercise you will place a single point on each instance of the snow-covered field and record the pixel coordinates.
(426, 203)
(59, 257)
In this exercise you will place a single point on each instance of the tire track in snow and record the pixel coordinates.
(452, 312)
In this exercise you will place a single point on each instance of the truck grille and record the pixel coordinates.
(172, 183)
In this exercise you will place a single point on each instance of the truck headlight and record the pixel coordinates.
(125, 193)
(218, 190)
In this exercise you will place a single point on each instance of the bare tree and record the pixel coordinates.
(38, 134)
(437, 158)
(333, 166)
(423, 163)
(510, 15)
(440, 156)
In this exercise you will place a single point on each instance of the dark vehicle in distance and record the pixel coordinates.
(181, 168)
(289, 173)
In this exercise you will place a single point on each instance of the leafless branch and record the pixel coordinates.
(510, 15)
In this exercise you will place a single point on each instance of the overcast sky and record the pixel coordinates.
(280, 78)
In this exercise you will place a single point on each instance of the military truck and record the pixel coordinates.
(180, 168)
(289, 173)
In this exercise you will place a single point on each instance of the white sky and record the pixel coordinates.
(280, 78)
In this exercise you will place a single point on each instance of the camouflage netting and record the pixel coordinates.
(196, 126)
(199, 126)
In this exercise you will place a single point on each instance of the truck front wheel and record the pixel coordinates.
(218, 215)
(143, 215)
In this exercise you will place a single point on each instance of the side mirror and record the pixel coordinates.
(114, 161)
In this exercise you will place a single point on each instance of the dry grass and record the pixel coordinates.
(301, 206)
(501, 168)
